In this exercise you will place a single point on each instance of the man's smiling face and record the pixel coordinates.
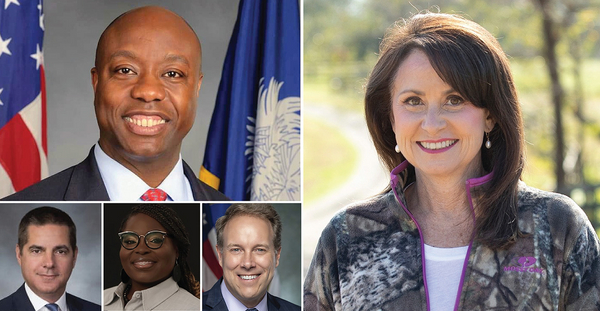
(248, 258)
(146, 83)
(47, 260)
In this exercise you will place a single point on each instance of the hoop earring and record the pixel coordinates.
(124, 277)
(488, 143)
(397, 149)
(176, 272)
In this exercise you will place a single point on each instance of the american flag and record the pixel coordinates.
(211, 269)
(23, 144)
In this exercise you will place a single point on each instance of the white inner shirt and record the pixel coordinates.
(443, 269)
(123, 185)
(39, 304)
(235, 305)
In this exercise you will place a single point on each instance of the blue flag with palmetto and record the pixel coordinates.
(253, 145)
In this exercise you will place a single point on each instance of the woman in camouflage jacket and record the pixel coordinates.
(444, 116)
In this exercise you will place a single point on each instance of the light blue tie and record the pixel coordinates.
(52, 307)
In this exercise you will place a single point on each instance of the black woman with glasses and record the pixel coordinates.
(153, 253)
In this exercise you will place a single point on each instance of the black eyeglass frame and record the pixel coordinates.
(139, 237)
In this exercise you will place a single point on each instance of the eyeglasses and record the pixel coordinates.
(154, 239)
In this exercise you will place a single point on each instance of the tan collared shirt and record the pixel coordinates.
(164, 296)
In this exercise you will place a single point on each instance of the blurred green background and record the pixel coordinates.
(341, 42)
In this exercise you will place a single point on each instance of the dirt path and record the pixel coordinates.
(369, 177)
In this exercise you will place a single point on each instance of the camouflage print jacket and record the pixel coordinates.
(369, 258)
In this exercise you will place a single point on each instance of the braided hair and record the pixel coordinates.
(168, 218)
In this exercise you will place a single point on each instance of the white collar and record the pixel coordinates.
(235, 305)
(39, 304)
(123, 185)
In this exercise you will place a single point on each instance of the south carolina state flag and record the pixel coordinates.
(23, 145)
(253, 145)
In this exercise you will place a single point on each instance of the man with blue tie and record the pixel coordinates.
(248, 247)
(47, 252)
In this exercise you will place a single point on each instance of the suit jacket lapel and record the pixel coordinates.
(201, 191)
(73, 304)
(21, 301)
(86, 183)
(215, 300)
(272, 303)
(197, 190)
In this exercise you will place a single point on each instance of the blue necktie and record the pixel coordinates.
(253, 309)
(52, 307)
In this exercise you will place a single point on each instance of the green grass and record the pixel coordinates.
(327, 156)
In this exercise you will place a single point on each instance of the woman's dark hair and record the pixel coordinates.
(168, 218)
(469, 59)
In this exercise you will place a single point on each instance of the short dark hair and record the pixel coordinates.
(46, 215)
(471, 61)
(170, 220)
(260, 210)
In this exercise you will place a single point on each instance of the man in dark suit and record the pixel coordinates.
(146, 81)
(47, 252)
(248, 247)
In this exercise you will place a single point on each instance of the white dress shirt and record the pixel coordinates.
(123, 185)
(39, 304)
(235, 305)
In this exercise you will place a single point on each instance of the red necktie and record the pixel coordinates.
(154, 194)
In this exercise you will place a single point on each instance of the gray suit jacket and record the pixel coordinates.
(213, 300)
(83, 182)
(18, 301)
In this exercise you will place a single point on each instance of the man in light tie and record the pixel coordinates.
(249, 248)
(47, 252)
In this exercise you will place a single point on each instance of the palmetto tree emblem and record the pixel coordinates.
(273, 146)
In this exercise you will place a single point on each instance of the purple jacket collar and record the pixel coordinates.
(470, 183)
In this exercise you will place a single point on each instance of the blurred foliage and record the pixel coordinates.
(350, 30)
(341, 42)
(329, 155)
